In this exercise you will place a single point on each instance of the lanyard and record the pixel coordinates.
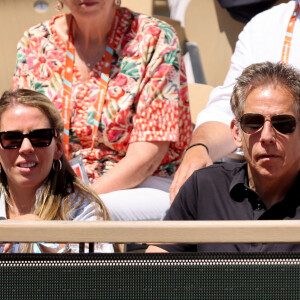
(288, 36)
(68, 82)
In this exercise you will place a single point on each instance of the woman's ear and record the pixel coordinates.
(235, 131)
(59, 149)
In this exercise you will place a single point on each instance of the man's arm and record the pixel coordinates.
(217, 137)
(184, 208)
(155, 249)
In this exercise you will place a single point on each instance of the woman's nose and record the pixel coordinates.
(26, 145)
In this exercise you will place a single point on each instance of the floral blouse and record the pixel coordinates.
(146, 100)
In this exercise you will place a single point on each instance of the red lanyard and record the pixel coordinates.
(288, 36)
(68, 82)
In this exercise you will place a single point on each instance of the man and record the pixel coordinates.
(266, 37)
(266, 106)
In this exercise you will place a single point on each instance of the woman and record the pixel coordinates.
(36, 180)
(118, 79)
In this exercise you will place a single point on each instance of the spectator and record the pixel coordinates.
(266, 106)
(257, 43)
(36, 180)
(124, 100)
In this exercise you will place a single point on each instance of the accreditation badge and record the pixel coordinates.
(78, 167)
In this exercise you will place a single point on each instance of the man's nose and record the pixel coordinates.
(268, 133)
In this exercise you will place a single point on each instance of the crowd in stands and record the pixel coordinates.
(124, 92)
(119, 101)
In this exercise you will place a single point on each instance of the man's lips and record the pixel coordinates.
(267, 155)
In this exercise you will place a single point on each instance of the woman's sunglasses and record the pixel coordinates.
(38, 138)
(251, 123)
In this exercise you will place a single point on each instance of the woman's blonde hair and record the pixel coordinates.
(54, 201)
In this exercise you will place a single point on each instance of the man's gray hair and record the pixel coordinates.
(263, 74)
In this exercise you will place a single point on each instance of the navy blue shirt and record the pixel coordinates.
(221, 192)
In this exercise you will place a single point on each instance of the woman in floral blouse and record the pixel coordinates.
(119, 81)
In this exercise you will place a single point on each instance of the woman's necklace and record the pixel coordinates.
(103, 84)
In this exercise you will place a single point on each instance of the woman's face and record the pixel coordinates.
(27, 166)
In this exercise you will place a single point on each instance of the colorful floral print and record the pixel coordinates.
(147, 98)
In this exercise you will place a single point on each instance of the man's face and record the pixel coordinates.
(268, 152)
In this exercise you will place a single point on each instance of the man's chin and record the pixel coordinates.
(270, 170)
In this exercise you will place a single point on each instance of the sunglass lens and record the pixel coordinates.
(285, 124)
(12, 139)
(41, 137)
(251, 123)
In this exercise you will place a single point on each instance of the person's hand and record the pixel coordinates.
(6, 247)
(43, 248)
(27, 217)
(195, 158)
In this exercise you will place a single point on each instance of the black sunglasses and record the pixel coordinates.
(251, 123)
(38, 138)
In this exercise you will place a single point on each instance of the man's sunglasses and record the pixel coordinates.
(251, 123)
(38, 138)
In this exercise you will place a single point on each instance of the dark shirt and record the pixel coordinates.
(221, 192)
(244, 10)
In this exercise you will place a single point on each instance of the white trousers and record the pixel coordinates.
(148, 201)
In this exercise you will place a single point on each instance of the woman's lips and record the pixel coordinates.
(27, 165)
(87, 3)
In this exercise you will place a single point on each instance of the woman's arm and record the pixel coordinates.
(141, 160)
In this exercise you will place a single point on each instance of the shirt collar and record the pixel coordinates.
(239, 187)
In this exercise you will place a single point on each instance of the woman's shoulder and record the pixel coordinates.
(142, 23)
(78, 195)
(43, 29)
(82, 206)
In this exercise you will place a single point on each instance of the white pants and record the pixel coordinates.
(148, 201)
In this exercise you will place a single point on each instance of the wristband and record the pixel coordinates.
(197, 144)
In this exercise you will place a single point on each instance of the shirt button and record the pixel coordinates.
(258, 206)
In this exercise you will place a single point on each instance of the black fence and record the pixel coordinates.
(150, 276)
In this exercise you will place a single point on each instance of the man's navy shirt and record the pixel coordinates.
(221, 192)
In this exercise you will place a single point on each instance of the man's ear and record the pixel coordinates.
(235, 131)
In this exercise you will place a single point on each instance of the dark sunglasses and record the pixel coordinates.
(38, 138)
(251, 123)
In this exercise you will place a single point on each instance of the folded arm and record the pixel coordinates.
(141, 160)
